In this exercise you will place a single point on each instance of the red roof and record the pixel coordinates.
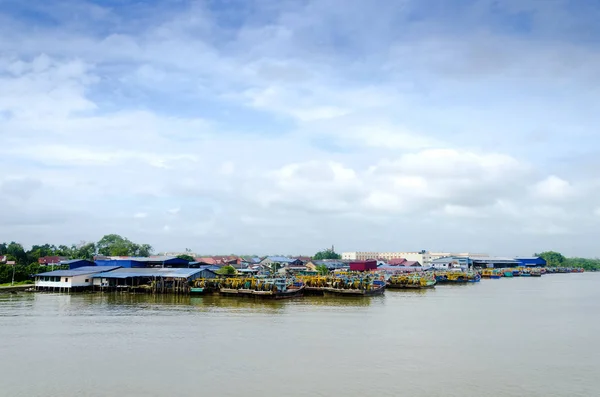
(45, 260)
(208, 260)
(396, 261)
(362, 266)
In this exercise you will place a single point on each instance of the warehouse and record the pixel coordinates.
(534, 261)
(142, 262)
(155, 280)
(494, 262)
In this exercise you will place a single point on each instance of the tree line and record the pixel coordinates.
(26, 261)
(556, 259)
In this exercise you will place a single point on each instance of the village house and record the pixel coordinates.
(78, 279)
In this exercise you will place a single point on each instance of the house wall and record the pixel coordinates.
(65, 281)
(266, 262)
(53, 284)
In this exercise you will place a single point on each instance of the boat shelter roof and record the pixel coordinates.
(150, 272)
(80, 271)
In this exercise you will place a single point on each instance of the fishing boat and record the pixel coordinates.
(412, 281)
(457, 277)
(535, 272)
(275, 288)
(508, 273)
(355, 287)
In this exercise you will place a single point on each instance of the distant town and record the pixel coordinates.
(115, 261)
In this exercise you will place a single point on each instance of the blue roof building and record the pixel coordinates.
(151, 279)
(142, 262)
(531, 261)
(76, 263)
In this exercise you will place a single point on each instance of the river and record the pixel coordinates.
(498, 338)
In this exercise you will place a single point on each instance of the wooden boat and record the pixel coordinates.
(508, 273)
(278, 288)
(411, 281)
(196, 290)
(457, 277)
(374, 291)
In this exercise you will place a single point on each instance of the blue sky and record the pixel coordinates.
(285, 127)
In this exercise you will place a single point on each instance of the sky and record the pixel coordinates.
(284, 127)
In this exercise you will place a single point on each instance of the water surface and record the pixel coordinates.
(501, 338)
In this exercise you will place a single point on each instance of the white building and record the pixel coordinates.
(69, 280)
(386, 256)
(425, 258)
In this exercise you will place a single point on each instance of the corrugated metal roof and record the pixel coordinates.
(281, 259)
(494, 259)
(138, 258)
(79, 271)
(150, 272)
(74, 261)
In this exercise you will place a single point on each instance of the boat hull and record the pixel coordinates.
(353, 292)
(411, 286)
(248, 293)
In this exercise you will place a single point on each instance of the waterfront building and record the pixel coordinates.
(158, 279)
(534, 261)
(425, 258)
(451, 262)
(78, 279)
(141, 262)
(494, 262)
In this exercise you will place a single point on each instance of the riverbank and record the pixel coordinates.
(15, 288)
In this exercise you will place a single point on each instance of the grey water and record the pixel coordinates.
(501, 338)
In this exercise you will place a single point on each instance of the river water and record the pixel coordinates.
(501, 338)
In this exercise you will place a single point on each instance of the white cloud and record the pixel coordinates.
(311, 127)
(553, 188)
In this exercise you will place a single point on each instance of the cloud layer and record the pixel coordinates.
(262, 127)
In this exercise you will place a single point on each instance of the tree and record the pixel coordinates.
(227, 270)
(323, 270)
(327, 254)
(188, 258)
(144, 250)
(17, 253)
(115, 245)
(84, 251)
(553, 258)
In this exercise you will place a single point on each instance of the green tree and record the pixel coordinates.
(327, 254)
(144, 250)
(188, 258)
(84, 251)
(323, 270)
(227, 270)
(115, 245)
(552, 258)
(16, 252)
